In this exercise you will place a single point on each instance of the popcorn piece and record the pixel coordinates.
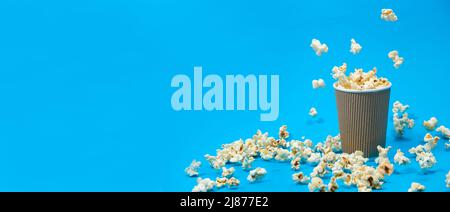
(283, 155)
(444, 131)
(318, 47)
(334, 143)
(355, 48)
(320, 170)
(192, 170)
(227, 172)
(358, 80)
(417, 150)
(256, 174)
(332, 185)
(416, 187)
(318, 83)
(266, 154)
(295, 163)
(401, 119)
(385, 167)
(247, 162)
(220, 182)
(388, 15)
(316, 184)
(203, 185)
(426, 160)
(300, 178)
(431, 141)
(314, 158)
(233, 182)
(400, 158)
(382, 154)
(283, 133)
(312, 112)
(393, 55)
(430, 124)
(447, 179)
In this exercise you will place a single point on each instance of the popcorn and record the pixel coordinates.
(417, 150)
(227, 172)
(400, 158)
(430, 124)
(447, 179)
(233, 182)
(316, 184)
(318, 83)
(382, 154)
(334, 143)
(401, 120)
(312, 112)
(204, 185)
(355, 48)
(283, 133)
(318, 47)
(385, 167)
(332, 185)
(256, 174)
(388, 15)
(282, 155)
(314, 158)
(426, 160)
(358, 80)
(192, 170)
(431, 141)
(266, 154)
(300, 178)
(295, 163)
(444, 131)
(220, 182)
(247, 162)
(320, 170)
(393, 55)
(416, 187)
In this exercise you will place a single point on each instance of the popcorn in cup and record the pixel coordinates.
(362, 103)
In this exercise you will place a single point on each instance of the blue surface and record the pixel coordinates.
(85, 101)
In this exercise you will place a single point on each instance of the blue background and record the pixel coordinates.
(85, 85)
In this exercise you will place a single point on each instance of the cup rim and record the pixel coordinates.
(362, 91)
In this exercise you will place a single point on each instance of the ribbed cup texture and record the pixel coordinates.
(363, 120)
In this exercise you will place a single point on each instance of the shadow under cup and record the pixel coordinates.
(362, 116)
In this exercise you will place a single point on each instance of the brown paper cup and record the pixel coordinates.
(362, 119)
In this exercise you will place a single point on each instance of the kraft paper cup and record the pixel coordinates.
(362, 118)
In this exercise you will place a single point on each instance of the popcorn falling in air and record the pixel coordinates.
(430, 141)
(300, 178)
(338, 72)
(447, 179)
(318, 83)
(204, 185)
(416, 187)
(256, 174)
(382, 154)
(444, 131)
(316, 184)
(313, 112)
(227, 172)
(400, 158)
(430, 124)
(401, 119)
(192, 170)
(426, 160)
(388, 15)
(393, 55)
(318, 47)
(355, 48)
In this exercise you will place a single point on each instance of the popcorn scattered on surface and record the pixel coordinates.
(358, 80)
(295, 163)
(393, 55)
(400, 158)
(332, 185)
(247, 162)
(313, 112)
(426, 160)
(416, 187)
(385, 167)
(447, 179)
(221, 181)
(300, 178)
(430, 124)
(388, 15)
(444, 131)
(382, 154)
(430, 141)
(318, 47)
(256, 174)
(282, 155)
(401, 119)
(233, 182)
(316, 184)
(204, 185)
(192, 170)
(227, 172)
(318, 83)
(355, 48)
